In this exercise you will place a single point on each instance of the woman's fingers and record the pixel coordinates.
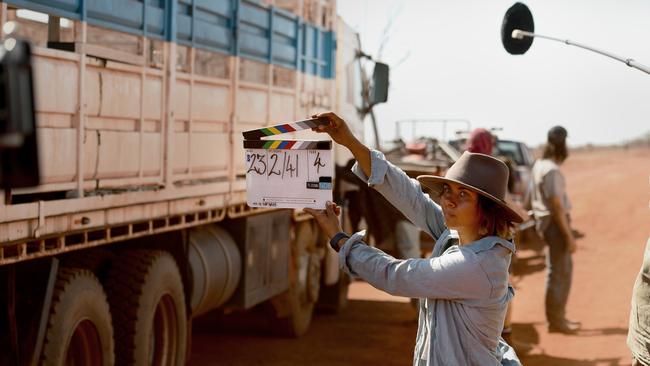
(309, 210)
(315, 213)
(323, 128)
(332, 209)
(319, 215)
(329, 207)
(327, 219)
(331, 117)
(325, 115)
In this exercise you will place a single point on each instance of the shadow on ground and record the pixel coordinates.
(364, 333)
(529, 240)
(545, 360)
(604, 331)
(526, 333)
(529, 264)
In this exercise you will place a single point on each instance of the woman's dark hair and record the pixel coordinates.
(493, 220)
(557, 152)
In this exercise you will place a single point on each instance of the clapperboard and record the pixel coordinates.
(288, 173)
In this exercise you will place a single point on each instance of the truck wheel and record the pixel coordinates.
(146, 295)
(294, 308)
(79, 330)
(94, 260)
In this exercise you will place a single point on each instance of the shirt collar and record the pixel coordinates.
(489, 242)
(480, 245)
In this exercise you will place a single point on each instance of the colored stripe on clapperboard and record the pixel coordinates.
(284, 128)
(287, 145)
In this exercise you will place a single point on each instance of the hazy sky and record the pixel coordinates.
(458, 68)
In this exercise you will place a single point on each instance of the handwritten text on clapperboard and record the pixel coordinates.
(289, 178)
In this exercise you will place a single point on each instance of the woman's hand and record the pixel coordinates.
(327, 219)
(341, 134)
(337, 129)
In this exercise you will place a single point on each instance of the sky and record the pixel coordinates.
(448, 62)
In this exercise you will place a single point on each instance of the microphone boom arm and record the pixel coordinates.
(520, 34)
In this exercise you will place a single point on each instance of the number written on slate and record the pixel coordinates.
(275, 163)
(257, 163)
(288, 178)
(318, 164)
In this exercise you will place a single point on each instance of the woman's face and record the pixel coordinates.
(460, 207)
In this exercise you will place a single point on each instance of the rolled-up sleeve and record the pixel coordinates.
(454, 275)
(404, 193)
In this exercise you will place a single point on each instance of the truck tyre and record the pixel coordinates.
(146, 295)
(79, 329)
(95, 260)
(294, 308)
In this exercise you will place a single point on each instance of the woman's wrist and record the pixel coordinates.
(361, 154)
(338, 240)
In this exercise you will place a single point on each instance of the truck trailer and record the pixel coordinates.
(139, 223)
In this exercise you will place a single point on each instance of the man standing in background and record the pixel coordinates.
(551, 208)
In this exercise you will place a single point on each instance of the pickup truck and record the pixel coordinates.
(522, 158)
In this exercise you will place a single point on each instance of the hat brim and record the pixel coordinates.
(435, 183)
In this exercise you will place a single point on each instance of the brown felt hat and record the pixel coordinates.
(480, 173)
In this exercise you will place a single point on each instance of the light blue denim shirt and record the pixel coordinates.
(463, 290)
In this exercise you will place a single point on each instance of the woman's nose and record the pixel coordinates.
(450, 201)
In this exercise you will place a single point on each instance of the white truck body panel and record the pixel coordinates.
(124, 144)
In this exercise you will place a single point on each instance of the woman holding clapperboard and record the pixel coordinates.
(463, 287)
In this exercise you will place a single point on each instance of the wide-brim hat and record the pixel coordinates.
(480, 173)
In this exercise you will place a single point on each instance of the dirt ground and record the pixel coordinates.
(609, 191)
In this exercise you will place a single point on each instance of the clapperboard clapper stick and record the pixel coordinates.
(288, 173)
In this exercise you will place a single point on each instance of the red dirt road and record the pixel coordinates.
(609, 191)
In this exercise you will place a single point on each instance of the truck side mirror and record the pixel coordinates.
(18, 147)
(379, 88)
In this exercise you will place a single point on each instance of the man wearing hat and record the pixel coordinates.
(551, 207)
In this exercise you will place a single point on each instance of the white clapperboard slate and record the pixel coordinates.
(288, 173)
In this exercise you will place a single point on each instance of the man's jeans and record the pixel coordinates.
(560, 271)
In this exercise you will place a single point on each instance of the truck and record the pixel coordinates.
(139, 222)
